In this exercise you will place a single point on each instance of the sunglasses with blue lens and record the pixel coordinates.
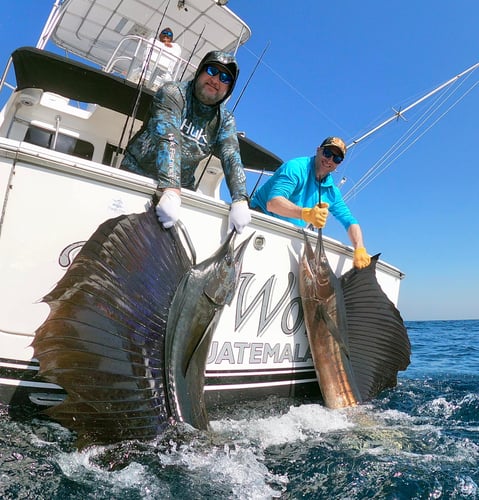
(224, 77)
(167, 33)
(327, 153)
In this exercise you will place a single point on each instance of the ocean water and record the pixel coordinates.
(419, 440)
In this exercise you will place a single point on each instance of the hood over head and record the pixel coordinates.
(228, 61)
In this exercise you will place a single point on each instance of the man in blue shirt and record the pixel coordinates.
(294, 188)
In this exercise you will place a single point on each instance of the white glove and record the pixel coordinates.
(239, 216)
(168, 208)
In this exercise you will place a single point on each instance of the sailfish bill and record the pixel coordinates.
(357, 337)
(104, 339)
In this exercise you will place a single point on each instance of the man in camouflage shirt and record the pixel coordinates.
(188, 122)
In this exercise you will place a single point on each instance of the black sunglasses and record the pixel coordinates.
(224, 77)
(167, 33)
(327, 153)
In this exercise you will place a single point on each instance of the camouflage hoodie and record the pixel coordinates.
(181, 131)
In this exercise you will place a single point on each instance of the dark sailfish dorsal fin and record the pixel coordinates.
(103, 340)
(378, 341)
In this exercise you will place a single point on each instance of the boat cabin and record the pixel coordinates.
(72, 108)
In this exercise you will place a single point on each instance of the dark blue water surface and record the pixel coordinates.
(419, 440)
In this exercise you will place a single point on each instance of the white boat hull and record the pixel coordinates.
(61, 129)
(51, 205)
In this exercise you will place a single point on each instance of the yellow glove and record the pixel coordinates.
(317, 215)
(361, 258)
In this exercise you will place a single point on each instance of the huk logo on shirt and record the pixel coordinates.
(187, 128)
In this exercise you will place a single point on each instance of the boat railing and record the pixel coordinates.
(136, 57)
(3, 78)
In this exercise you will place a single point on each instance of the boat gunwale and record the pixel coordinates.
(49, 159)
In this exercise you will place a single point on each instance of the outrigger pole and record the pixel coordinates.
(399, 114)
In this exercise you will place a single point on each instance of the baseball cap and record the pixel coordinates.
(335, 142)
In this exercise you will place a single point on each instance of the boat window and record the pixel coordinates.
(64, 143)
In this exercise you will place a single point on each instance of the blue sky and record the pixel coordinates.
(340, 68)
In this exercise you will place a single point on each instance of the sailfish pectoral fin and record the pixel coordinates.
(202, 338)
(336, 332)
(321, 314)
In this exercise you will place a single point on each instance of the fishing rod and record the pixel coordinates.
(232, 111)
(139, 87)
(251, 76)
(192, 52)
(144, 70)
(150, 51)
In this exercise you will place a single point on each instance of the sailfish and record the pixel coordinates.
(357, 337)
(129, 327)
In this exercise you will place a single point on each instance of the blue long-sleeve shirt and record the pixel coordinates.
(296, 181)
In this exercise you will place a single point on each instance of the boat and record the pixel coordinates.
(62, 131)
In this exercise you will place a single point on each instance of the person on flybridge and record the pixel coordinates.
(162, 57)
(188, 121)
